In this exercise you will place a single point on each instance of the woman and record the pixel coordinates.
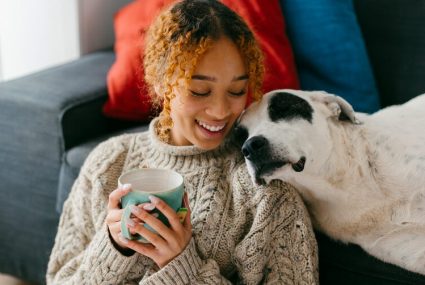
(201, 62)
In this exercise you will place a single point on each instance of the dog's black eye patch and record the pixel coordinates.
(239, 135)
(286, 106)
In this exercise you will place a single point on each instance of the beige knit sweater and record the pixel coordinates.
(241, 233)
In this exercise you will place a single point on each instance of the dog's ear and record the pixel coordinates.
(338, 107)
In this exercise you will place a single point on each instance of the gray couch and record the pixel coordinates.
(50, 120)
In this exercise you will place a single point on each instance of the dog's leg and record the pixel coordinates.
(403, 246)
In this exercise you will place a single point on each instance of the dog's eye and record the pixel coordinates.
(240, 135)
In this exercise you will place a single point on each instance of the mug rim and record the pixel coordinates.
(173, 172)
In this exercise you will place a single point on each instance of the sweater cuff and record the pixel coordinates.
(102, 249)
(181, 270)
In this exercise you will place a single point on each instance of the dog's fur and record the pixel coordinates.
(361, 176)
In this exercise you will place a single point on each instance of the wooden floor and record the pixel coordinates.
(9, 280)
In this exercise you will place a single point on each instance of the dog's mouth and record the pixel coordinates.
(268, 168)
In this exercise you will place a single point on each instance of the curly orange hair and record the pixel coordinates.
(178, 38)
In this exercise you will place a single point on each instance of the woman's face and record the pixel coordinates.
(204, 112)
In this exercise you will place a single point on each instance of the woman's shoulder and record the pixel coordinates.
(244, 185)
(110, 151)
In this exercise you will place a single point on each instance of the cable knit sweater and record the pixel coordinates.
(241, 233)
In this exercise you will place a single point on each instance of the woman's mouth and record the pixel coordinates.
(211, 129)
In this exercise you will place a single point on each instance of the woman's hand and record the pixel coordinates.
(113, 218)
(169, 242)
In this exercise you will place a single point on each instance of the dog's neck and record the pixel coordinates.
(352, 159)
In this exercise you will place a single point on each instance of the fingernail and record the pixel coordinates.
(156, 215)
(154, 199)
(149, 207)
(135, 210)
(126, 187)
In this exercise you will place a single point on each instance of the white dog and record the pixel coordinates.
(361, 176)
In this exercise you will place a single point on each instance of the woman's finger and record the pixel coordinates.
(151, 237)
(152, 221)
(115, 231)
(114, 215)
(146, 249)
(116, 195)
(147, 206)
(168, 212)
(115, 228)
(187, 221)
(131, 224)
(186, 201)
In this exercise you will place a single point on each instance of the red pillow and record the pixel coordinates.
(128, 95)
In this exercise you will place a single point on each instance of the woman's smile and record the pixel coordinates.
(211, 127)
(212, 131)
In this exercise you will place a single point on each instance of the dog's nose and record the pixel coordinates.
(253, 145)
(299, 166)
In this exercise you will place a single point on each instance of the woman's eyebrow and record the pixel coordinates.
(203, 77)
(211, 78)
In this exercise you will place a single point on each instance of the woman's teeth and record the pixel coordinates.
(211, 128)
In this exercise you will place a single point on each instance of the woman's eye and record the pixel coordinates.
(194, 93)
(240, 93)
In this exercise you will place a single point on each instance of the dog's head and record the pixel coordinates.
(287, 131)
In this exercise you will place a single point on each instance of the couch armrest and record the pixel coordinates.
(49, 99)
(40, 116)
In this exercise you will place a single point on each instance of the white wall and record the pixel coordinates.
(37, 34)
(1, 68)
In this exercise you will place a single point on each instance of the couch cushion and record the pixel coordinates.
(349, 264)
(74, 158)
(395, 38)
(329, 50)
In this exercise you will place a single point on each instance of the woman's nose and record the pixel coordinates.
(219, 108)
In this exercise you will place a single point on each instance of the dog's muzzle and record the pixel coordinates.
(257, 151)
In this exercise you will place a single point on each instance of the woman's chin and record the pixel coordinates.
(209, 140)
(207, 144)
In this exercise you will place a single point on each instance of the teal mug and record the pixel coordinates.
(162, 183)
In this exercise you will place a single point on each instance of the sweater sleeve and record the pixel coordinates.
(83, 252)
(294, 254)
(280, 247)
(187, 268)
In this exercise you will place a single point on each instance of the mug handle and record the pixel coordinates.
(124, 229)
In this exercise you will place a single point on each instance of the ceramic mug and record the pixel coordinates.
(162, 183)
